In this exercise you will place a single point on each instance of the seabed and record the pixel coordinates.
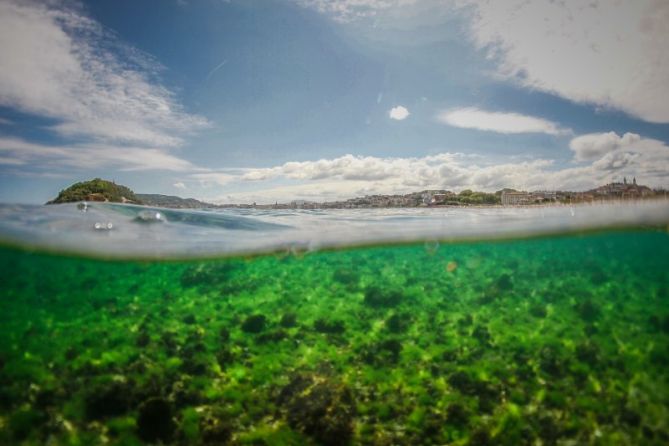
(547, 341)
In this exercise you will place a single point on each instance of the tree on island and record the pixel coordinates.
(96, 190)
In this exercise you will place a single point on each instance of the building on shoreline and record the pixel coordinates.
(623, 190)
(610, 191)
(505, 197)
(514, 198)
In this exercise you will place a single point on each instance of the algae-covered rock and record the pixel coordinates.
(215, 430)
(323, 325)
(486, 393)
(224, 334)
(225, 357)
(347, 277)
(480, 437)
(254, 323)
(24, 422)
(482, 334)
(504, 282)
(398, 323)
(385, 352)
(538, 310)
(107, 398)
(155, 421)
(288, 320)
(551, 362)
(457, 415)
(588, 310)
(189, 319)
(271, 336)
(320, 408)
(377, 297)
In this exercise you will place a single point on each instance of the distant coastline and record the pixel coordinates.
(108, 191)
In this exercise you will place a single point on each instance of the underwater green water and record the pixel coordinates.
(553, 341)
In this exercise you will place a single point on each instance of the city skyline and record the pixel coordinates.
(326, 100)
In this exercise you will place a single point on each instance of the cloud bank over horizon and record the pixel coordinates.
(598, 159)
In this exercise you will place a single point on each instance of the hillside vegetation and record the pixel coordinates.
(171, 201)
(96, 190)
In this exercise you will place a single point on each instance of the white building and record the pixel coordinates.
(515, 198)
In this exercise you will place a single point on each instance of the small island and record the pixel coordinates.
(108, 191)
(96, 190)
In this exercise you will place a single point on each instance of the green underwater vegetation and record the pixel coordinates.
(548, 341)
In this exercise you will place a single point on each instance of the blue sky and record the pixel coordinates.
(243, 100)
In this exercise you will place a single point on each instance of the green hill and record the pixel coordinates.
(171, 201)
(96, 190)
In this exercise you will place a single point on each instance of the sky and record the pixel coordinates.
(240, 101)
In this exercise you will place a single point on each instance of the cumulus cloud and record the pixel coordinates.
(180, 185)
(55, 62)
(349, 175)
(595, 145)
(398, 113)
(630, 154)
(610, 53)
(474, 118)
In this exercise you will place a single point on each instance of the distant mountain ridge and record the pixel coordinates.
(172, 201)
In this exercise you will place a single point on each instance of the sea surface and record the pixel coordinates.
(126, 325)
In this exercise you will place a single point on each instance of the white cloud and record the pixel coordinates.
(610, 53)
(595, 145)
(180, 185)
(57, 63)
(349, 175)
(89, 156)
(474, 118)
(398, 113)
(349, 10)
(630, 155)
(11, 161)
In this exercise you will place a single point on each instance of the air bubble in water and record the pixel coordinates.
(101, 226)
(150, 217)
